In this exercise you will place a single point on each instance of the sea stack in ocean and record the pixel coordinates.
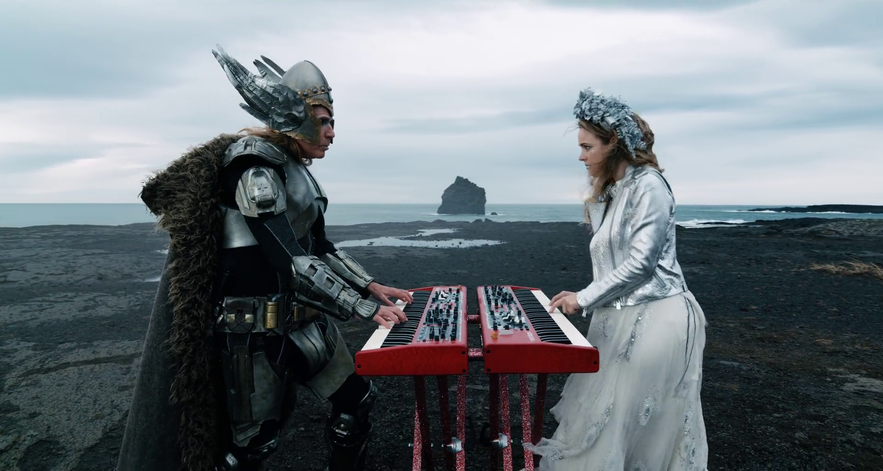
(463, 197)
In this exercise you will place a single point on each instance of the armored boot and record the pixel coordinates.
(252, 457)
(231, 463)
(347, 435)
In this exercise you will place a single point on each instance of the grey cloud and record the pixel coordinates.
(785, 108)
(78, 53)
(76, 49)
(74, 52)
(826, 24)
(791, 106)
(25, 159)
(702, 5)
(91, 49)
(498, 121)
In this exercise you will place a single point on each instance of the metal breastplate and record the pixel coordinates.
(305, 200)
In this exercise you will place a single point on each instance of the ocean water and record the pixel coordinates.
(24, 215)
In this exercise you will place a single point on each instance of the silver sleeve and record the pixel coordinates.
(348, 269)
(646, 231)
(316, 284)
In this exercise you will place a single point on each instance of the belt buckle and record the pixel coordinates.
(298, 312)
(239, 314)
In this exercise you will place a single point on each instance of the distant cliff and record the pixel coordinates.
(827, 208)
(463, 197)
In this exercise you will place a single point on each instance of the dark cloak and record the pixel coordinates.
(176, 420)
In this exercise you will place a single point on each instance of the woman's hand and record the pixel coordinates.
(383, 293)
(566, 301)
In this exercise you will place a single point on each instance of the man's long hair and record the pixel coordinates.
(281, 140)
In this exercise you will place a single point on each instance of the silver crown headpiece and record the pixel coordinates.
(610, 113)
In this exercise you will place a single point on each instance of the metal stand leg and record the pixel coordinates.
(542, 379)
(495, 414)
(416, 457)
(525, 421)
(507, 432)
(461, 421)
(422, 443)
(446, 419)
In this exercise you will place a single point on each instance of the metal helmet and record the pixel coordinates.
(306, 79)
(281, 100)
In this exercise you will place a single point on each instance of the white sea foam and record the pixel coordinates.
(163, 251)
(408, 241)
(429, 244)
(705, 223)
(155, 279)
(429, 232)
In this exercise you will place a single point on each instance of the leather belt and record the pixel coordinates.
(277, 314)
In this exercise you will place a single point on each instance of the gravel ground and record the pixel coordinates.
(793, 376)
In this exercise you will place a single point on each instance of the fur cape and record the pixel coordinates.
(176, 420)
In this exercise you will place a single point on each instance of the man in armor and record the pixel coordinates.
(273, 281)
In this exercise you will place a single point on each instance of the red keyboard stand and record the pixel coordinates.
(500, 425)
(455, 455)
(498, 400)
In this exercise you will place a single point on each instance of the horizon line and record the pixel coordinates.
(489, 203)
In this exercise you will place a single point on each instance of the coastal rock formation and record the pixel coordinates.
(828, 208)
(463, 197)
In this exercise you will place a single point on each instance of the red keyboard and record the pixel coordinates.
(519, 335)
(431, 342)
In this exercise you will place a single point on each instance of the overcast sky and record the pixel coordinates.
(769, 102)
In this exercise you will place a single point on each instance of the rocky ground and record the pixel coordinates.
(793, 376)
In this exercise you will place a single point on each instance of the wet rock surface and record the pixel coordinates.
(793, 375)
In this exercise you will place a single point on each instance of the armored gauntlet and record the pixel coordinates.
(315, 284)
(348, 269)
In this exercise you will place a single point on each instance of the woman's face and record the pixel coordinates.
(592, 151)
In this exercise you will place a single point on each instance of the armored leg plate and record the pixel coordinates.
(254, 392)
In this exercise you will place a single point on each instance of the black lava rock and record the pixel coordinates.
(463, 197)
(824, 208)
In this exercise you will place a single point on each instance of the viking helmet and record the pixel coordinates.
(281, 100)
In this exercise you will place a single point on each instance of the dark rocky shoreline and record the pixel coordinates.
(793, 376)
(828, 208)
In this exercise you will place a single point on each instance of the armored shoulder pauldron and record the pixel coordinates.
(253, 145)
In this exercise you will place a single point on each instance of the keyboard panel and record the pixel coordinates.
(519, 335)
(432, 341)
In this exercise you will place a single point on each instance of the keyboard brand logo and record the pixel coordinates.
(530, 336)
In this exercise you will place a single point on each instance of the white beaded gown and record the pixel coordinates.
(642, 409)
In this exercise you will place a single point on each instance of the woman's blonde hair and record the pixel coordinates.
(281, 140)
(619, 153)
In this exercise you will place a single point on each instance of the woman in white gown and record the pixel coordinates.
(641, 410)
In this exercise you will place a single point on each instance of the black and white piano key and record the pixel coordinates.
(536, 306)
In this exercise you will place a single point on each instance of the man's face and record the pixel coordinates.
(326, 135)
